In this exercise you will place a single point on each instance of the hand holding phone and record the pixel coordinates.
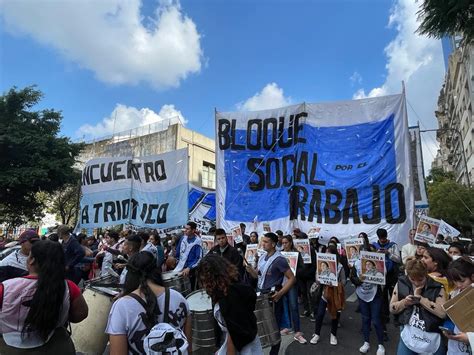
(446, 330)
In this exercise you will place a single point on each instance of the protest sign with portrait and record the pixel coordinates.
(207, 243)
(352, 247)
(427, 230)
(302, 245)
(292, 258)
(326, 271)
(373, 267)
(251, 253)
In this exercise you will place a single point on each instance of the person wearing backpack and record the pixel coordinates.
(146, 304)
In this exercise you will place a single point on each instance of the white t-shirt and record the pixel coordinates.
(125, 319)
(16, 259)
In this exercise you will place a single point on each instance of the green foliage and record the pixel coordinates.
(64, 203)
(33, 158)
(440, 18)
(449, 200)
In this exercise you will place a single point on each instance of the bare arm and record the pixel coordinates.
(397, 306)
(189, 333)
(79, 310)
(230, 346)
(118, 344)
(289, 284)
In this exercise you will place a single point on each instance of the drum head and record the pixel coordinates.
(168, 275)
(199, 301)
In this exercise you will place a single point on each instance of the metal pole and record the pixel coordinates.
(462, 148)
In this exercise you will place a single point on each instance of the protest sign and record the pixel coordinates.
(352, 247)
(373, 267)
(207, 243)
(313, 232)
(445, 247)
(292, 258)
(237, 234)
(302, 245)
(326, 271)
(266, 228)
(353, 177)
(448, 230)
(251, 253)
(427, 230)
(148, 192)
(230, 239)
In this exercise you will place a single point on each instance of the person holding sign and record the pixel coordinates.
(333, 298)
(291, 298)
(189, 253)
(417, 304)
(272, 268)
(370, 304)
(461, 271)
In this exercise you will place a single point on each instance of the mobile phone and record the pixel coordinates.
(446, 330)
(416, 299)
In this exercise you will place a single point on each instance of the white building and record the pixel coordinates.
(455, 116)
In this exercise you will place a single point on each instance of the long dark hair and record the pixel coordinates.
(290, 239)
(216, 274)
(441, 258)
(141, 268)
(46, 304)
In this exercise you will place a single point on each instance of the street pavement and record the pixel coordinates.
(349, 335)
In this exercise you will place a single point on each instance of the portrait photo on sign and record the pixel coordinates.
(266, 227)
(326, 270)
(251, 253)
(230, 239)
(352, 248)
(302, 245)
(207, 243)
(237, 234)
(313, 232)
(427, 230)
(292, 258)
(372, 267)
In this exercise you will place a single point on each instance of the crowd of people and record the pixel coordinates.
(40, 290)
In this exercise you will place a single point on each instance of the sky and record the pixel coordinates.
(112, 65)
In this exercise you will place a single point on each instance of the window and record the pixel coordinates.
(208, 175)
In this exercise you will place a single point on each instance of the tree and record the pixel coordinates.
(33, 158)
(65, 203)
(449, 200)
(440, 18)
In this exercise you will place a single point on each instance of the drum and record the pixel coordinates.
(200, 306)
(267, 326)
(176, 281)
(89, 335)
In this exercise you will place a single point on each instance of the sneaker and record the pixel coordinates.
(312, 319)
(333, 340)
(284, 331)
(364, 349)
(305, 314)
(381, 350)
(299, 338)
(314, 339)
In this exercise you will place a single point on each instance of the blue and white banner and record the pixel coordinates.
(343, 166)
(149, 192)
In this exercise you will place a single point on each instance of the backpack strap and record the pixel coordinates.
(167, 305)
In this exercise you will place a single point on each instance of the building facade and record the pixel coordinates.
(159, 138)
(455, 116)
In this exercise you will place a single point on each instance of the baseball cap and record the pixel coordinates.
(28, 236)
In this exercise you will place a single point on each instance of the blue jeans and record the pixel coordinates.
(370, 312)
(292, 301)
(285, 316)
(403, 350)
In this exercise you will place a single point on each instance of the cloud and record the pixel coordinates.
(112, 38)
(270, 97)
(418, 61)
(124, 118)
(355, 78)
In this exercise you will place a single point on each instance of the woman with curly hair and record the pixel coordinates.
(234, 306)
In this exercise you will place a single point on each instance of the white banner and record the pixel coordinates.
(149, 192)
(448, 230)
(343, 166)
